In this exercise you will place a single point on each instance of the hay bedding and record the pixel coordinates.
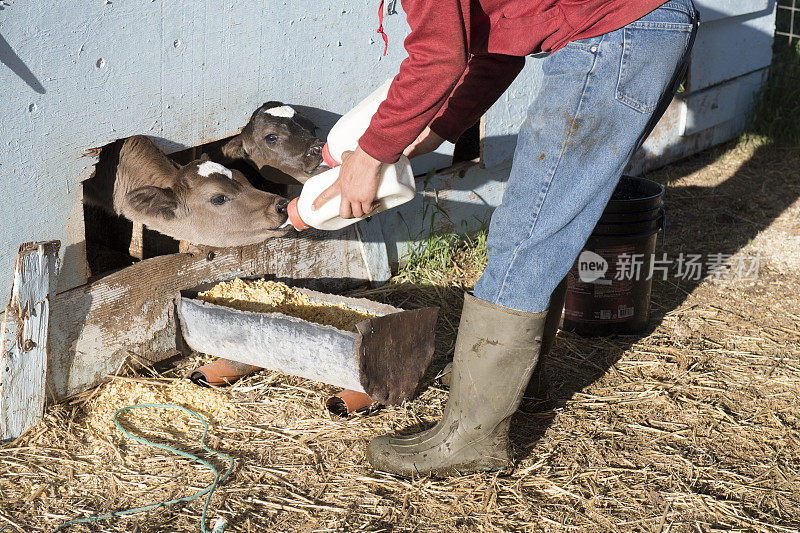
(694, 427)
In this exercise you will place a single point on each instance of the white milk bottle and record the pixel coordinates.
(351, 126)
(396, 184)
(396, 187)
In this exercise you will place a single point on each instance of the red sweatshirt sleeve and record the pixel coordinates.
(487, 77)
(437, 57)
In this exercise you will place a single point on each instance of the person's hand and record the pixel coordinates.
(426, 143)
(357, 183)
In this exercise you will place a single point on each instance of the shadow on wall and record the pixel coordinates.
(10, 59)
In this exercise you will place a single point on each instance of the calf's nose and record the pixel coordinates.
(316, 150)
(280, 207)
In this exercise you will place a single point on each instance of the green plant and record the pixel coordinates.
(776, 115)
(446, 256)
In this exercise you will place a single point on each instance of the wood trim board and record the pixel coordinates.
(23, 352)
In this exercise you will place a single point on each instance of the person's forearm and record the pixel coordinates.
(437, 56)
(486, 78)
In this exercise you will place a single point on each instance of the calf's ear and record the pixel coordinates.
(234, 149)
(153, 202)
(306, 123)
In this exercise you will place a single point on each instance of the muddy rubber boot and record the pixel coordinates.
(496, 351)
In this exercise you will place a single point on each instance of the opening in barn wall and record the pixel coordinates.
(114, 242)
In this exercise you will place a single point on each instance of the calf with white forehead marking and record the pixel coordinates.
(202, 202)
(277, 137)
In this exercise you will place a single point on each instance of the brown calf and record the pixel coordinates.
(277, 137)
(202, 202)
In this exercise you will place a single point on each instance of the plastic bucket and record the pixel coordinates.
(609, 286)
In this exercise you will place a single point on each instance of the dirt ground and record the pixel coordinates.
(692, 426)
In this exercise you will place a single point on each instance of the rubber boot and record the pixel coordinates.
(496, 351)
(551, 326)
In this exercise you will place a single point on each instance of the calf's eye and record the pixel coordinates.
(219, 199)
(271, 138)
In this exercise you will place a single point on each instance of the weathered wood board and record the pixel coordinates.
(372, 245)
(721, 103)
(696, 121)
(728, 47)
(23, 352)
(129, 315)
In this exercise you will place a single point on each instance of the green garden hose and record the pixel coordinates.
(219, 526)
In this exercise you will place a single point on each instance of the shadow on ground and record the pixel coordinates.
(720, 218)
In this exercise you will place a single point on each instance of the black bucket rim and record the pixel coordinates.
(660, 221)
(660, 214)
(619, 206)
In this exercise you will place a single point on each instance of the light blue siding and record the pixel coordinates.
(77, 76)
(731, 46)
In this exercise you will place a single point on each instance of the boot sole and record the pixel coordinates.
(443, 473)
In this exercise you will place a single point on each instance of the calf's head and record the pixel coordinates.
(277, 137)
(208, 204)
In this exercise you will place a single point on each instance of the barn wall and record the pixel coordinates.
(75, 77)
(186, 72)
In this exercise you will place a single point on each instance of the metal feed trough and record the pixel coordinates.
(385, 358)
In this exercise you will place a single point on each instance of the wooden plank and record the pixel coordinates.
(136, 248)
(668, 142)
(721, 103)
(73, 264)
(373, 251)
(711, 10)
(710, 107)
(730, 47)
(23, 352)
(129, 315)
